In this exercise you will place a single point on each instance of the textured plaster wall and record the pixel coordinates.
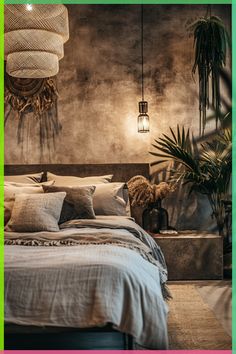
(99, 86)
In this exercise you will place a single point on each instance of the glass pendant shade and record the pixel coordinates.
(143, 123)
(143, 117)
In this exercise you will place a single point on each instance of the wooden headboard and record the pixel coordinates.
(122, 171)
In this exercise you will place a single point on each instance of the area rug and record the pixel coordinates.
(192, 324)
(218, 296)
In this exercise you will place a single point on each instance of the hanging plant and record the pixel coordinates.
(210, 45)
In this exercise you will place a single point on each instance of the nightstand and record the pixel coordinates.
(192, 255)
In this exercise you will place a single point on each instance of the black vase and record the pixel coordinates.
(155, 218)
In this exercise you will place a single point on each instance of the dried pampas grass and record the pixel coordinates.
(142, 192)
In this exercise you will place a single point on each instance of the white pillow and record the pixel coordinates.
(76, 181)
(29, 178)
(108, 199)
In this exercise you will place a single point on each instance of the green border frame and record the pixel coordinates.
(189, 2)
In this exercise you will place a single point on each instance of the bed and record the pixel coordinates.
(93, 284)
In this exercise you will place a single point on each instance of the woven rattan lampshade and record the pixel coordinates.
(34, 39)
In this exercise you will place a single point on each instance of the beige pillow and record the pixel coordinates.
(32, 184)
(29, 178)
(32, 213)
(108, 199)
(75, 181)
(13, 189)
(78, 203)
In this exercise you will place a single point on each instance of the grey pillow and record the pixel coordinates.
(78, 203)
(36, 212)
(30, 178)
(76, 181)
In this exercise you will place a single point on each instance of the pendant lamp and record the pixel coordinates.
(143, 118)
(34, 39)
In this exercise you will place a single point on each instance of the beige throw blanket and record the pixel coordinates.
(103, 238)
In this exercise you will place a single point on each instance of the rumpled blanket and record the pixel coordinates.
(105, 254)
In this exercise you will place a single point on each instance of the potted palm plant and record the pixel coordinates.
(205, 167)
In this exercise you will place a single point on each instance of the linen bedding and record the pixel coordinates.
(90, 273)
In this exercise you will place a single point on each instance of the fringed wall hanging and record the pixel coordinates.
(36, 96)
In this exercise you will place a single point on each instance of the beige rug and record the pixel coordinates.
(192, 324)
(218, 296)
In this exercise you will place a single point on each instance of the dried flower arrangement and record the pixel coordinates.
(142, 192)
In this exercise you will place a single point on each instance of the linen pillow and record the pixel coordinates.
(78, 203)
(108, 199)
(32, 213)
(29, 178)
(13, 189)
(75, 181)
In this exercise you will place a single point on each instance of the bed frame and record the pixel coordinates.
(122, 172)
(52, 338)
(29, 337)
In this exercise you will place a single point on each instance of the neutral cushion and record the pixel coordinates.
(109, 199)
(36, 212)
(75, 181)
(78, 203)
(13, 189)
(29, 178)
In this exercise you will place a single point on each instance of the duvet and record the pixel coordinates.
(90, 273)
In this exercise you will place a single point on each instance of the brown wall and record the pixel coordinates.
(99, 84)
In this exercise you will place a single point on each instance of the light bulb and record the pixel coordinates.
(143, 118)
(143, 123)
(29, 7)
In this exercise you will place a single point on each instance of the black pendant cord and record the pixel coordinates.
(142, 91)
(208, 11)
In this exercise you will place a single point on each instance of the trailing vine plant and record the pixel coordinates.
(210, 45)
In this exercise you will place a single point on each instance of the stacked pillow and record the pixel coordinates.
(30, 178)
(108, 199)
(12, 189)
(75, 181)
(33, 213)
(65, 198)
(78, 203)
(17, 184)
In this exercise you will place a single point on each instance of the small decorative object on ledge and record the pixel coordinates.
(155, 218)
(144, 194)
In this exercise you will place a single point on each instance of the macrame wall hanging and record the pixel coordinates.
(34, 43)
(37, 96)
